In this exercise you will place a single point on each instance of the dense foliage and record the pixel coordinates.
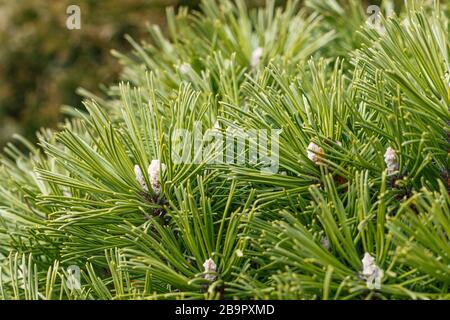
(359, 208)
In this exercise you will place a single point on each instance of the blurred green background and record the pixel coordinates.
(42, 63)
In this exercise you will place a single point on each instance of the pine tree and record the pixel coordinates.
(358, 209)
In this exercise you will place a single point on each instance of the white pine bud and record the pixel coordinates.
(154, 175)
(140, 177)
(390, 158)
(371, 272)
(227, 64)
(256, 57)
(325, 243)
(315, 153)
(185, 68)
(210, 267)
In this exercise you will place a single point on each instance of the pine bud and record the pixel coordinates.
(140, 177)
(210, 267)
(66, 192)
(256, 57)
(390, 158)
(325, 243)
(227, 64)
(371, 272)
(315, 153)
(185, 68)
(154, 174)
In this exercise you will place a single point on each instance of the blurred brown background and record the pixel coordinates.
(42, 63)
